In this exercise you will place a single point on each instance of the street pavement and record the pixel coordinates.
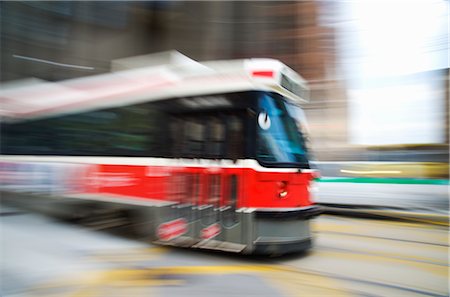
(41, 256)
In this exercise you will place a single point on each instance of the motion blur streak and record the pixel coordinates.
(52, 63)
(371, 172)
(226, 126)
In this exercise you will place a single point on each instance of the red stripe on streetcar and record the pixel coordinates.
(263, 73)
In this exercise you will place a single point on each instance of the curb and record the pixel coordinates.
(421, 217)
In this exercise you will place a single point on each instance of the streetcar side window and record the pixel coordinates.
(214, 190)
(124, 131)
(235, 138)
(176, 137)
(233, 191)
(205, 136)
(140, 130)
(216, 138)
(229, 215)
(194, 138)
(37, 137)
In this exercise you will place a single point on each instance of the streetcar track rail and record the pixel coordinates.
(382, 254)
(136, 263)
(380, 237)
(291, 269)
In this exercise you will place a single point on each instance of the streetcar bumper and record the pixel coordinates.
(280, 248)
(296, 214)
(283, 232)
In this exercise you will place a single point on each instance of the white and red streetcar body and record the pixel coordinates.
(206, 155)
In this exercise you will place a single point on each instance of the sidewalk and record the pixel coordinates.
(424, 200)
(428, 217)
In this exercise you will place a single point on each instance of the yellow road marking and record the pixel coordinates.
(92, 283)
(292, 281)
(299, 283)
(130, 255)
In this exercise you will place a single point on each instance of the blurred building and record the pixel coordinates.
(65, 39)
(311, 49)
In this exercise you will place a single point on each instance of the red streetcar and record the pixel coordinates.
(207, 155)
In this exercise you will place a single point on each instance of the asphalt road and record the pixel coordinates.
(41, 256)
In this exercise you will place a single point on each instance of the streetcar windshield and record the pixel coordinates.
(280, 142)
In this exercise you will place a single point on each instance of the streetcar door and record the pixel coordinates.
(210, 227)
(232, 233)
(219, 222)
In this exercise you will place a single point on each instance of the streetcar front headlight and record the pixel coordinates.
(282, 189)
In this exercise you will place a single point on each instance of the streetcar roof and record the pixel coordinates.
(42, 98)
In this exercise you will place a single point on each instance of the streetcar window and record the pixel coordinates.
(214, 190)
(205, 136)
(294, 87)
(141, 130)
(229, 215)
(194, 138)
(209, 213)
(279, 141)
(176, 137)
(216, 138)
(235, 146)
(24, 138)
(194, 188)
(123, 131)
(232, 191)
